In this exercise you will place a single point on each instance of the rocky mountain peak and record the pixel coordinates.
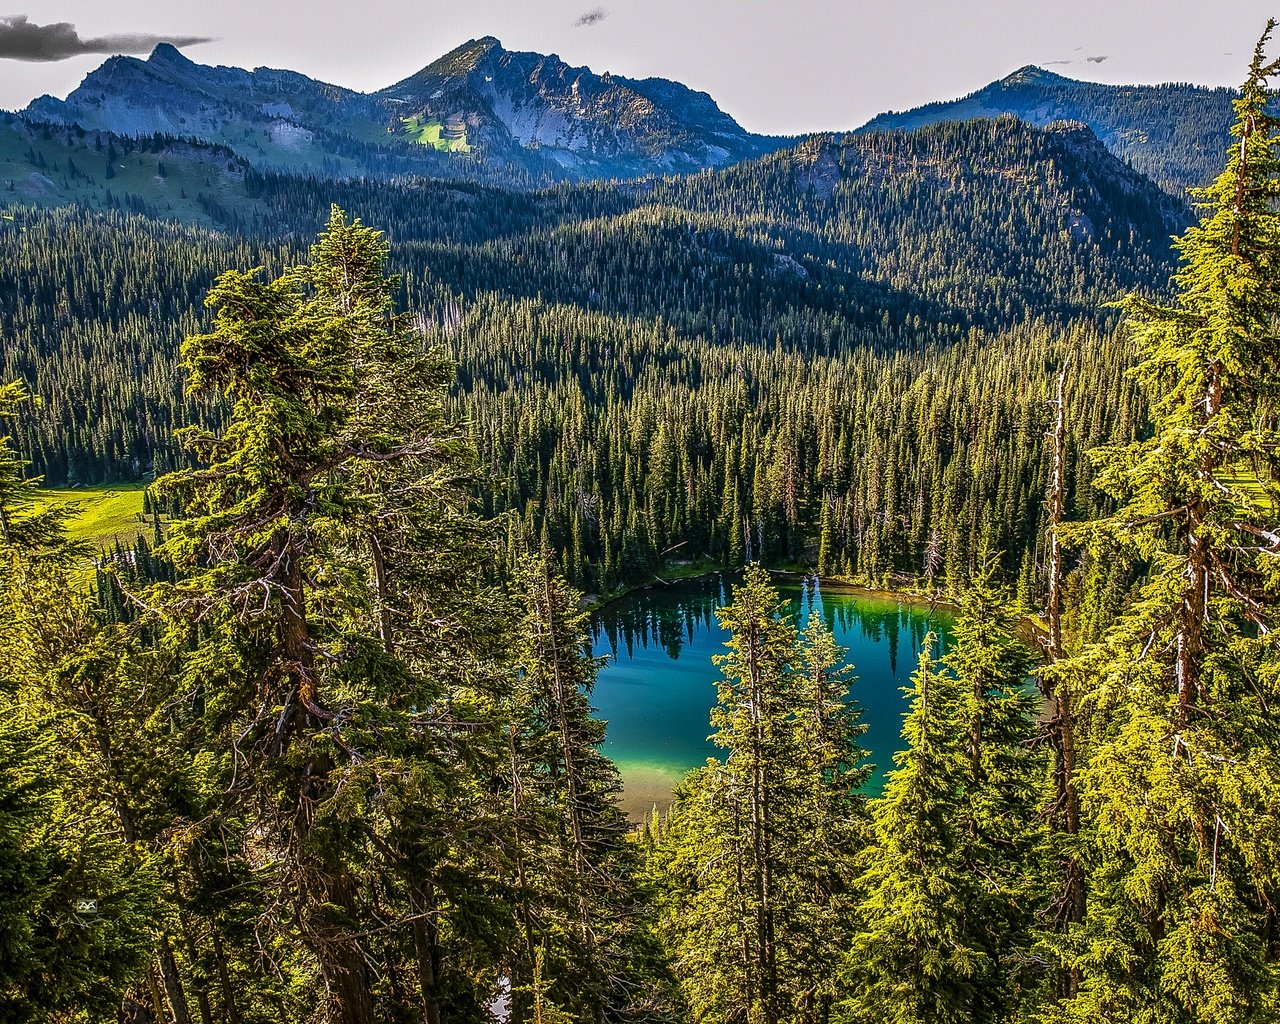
(1031, 74)
(170, 55)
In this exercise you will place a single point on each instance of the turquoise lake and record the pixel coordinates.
(657, 687)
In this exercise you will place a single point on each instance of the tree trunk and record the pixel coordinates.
(760, 828)
(384, 593)
(426, 945)
(193, 954)
(230, 1007)
(1071, 908)
(1191, 628)
(320, 885)
(519, 985)
(172, 982)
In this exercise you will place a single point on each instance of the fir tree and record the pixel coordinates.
(585, 945)
(1179, 794)
(81, 900)
(753, 859)
(308, 540)
(915, 958)
(948, 901)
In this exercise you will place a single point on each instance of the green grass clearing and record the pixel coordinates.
(104, 515)
(432, 133)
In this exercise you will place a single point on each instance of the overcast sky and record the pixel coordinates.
(784, 66)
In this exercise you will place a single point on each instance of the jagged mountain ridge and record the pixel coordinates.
(479, 111)
(590, 125)
(1175, 134)
(276, 119)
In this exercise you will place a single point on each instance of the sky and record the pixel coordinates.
(778, 66)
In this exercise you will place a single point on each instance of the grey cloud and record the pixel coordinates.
(20, 39)
(591, 17)
(1097, 60)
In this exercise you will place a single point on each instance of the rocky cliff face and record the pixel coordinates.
(585, 123)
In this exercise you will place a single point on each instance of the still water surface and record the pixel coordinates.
(657, 688)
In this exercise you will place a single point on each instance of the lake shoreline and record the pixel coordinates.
(657, 731)
(1030, 625)
(680, 574)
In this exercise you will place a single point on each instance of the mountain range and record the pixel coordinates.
(479, 108)
(491, 114)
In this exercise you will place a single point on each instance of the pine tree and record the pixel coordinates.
(321, 547)
(25, 522)
(81, 902)
(824, 825)
(948, 901)
(915, 959)
(585, 944)
(1002, 791)
(753, 857)
(1179, 794)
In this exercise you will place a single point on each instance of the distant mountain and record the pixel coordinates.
(1174, 134)
(278, 120)
(979, 222)
(478, 112)
(589, 125)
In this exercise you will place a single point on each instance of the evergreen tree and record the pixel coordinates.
(752, 860)
(79, 909)
(824, 824)
(948, 899)
(584, 921)
(1180, 793)
(914, 959)
(336, 676)
(1002, 792)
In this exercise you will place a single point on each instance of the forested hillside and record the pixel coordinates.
(1171, 133)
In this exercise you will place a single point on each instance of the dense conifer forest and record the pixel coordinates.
(588, 316)
(320, 745)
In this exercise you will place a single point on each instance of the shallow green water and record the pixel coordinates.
(658, 686)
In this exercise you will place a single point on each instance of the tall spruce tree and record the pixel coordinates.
(583, 946)
(948, 899)
(752, 860)
(1180, 794)
(914, 959)
(1001, 789)
(81, 903)
(322, 542)
(824, 823)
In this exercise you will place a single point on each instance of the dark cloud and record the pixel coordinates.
(1097, 60)
(591, 17)
(22, 40)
